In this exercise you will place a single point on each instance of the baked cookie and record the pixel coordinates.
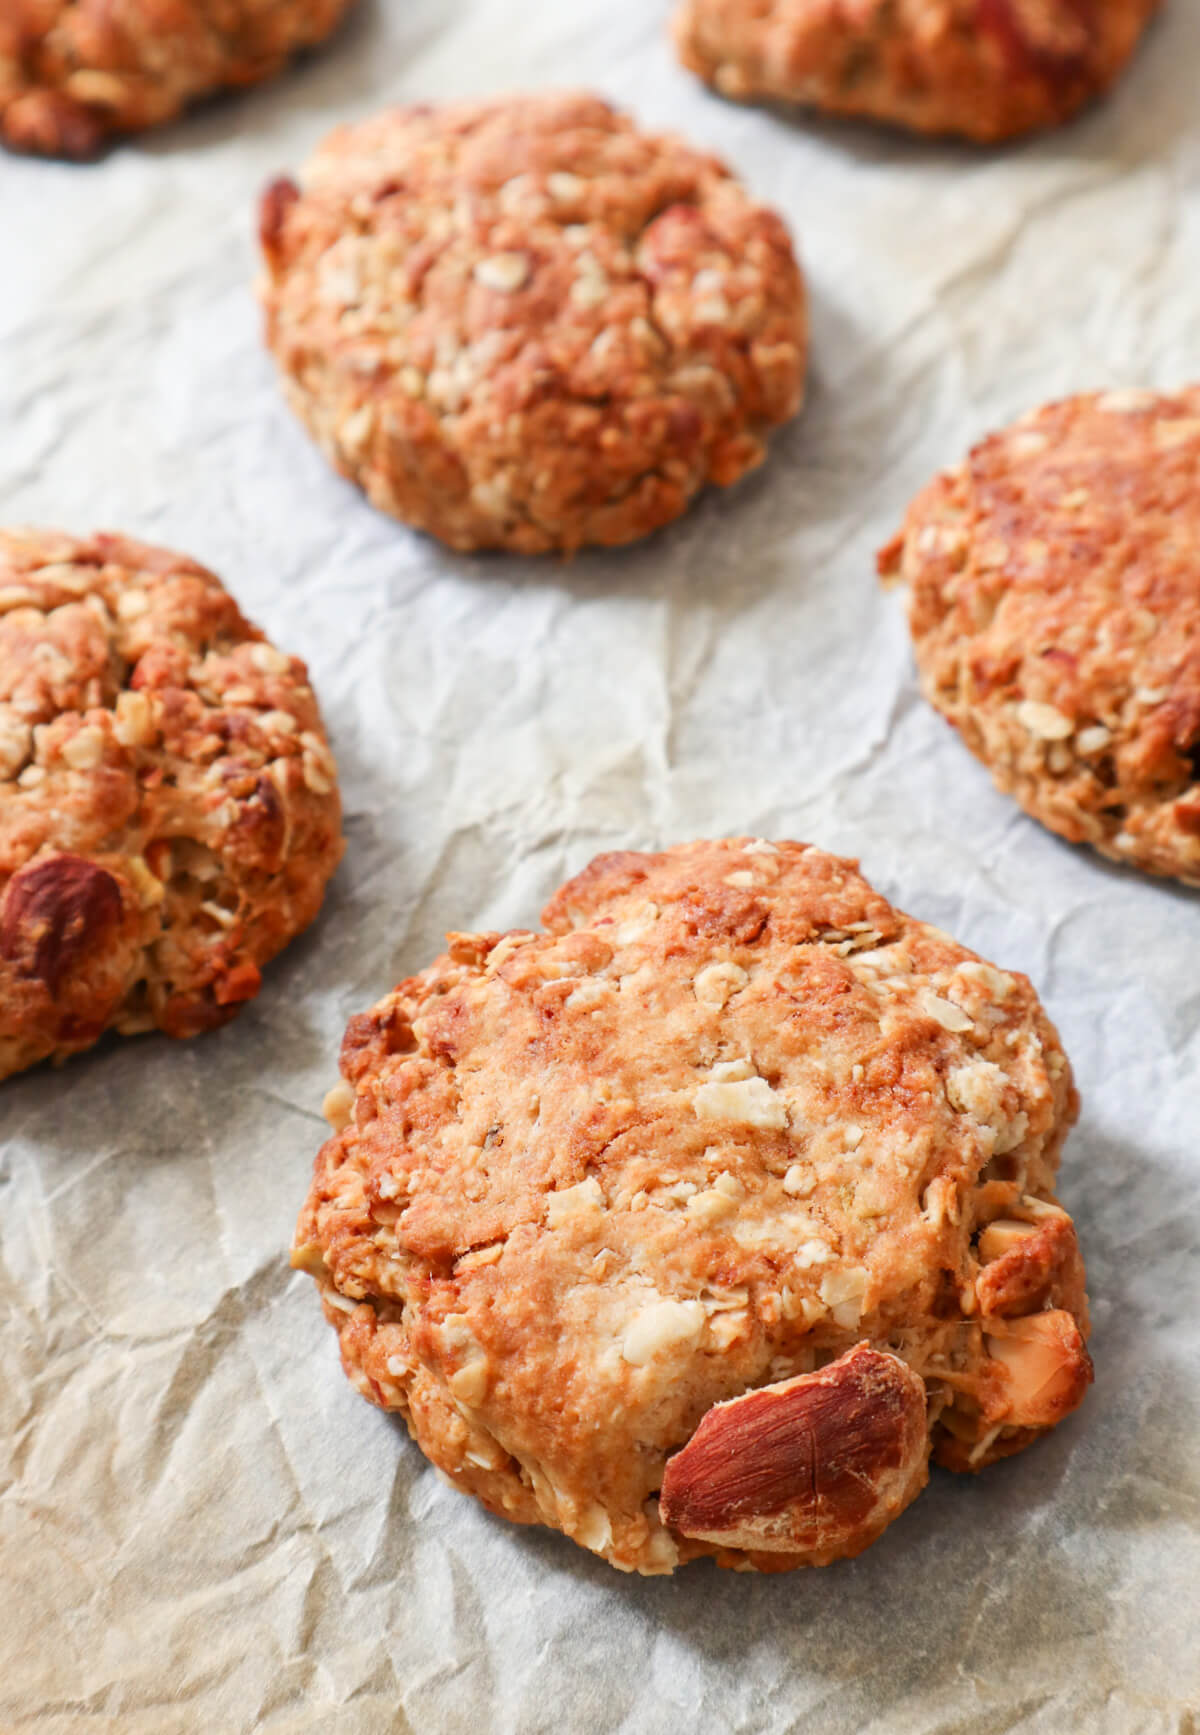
(1054, 600)
(985, 69)
(75, 72)
(692, 1224)
(523, 324)
(169, 812)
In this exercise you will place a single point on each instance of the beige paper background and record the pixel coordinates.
(202, 1528)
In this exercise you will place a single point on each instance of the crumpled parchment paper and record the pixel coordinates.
(202, 1527)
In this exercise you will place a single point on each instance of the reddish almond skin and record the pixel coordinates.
(804, 1464)
(55, 910)
(1187, 817)
(276, 201)
(1027, 52)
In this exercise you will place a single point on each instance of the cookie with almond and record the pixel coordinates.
(1053, 585)
(169, 810)
(694, 1223)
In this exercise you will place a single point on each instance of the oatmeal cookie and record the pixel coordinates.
(1054, 600)
(522, 324)
(75, 72)
(984, 69)
(169, 812)
(691, 1225)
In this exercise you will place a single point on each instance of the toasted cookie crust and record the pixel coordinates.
(1054, 600)
(75, 72)
(169, 813)
(522, 324)
(690, 1225)
(984, 69)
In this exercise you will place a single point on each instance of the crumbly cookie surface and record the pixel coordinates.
(523, 324)
(691, 1224)
(984, 69)
(1054, 600)
(75, 72)
(169, 813)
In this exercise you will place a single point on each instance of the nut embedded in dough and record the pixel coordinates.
(815, 1466)
(1029, 1266)
(55, 910)
(1046, 1369)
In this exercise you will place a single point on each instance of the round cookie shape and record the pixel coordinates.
(1054, 600)
(522, 324)
(169, 812)
(74, 73)
(986, 70)
(693, 1224)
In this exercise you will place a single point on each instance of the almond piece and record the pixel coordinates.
(816, 1466)
(273, 207)
(56, 909)
(1001, 1236)
(1045, 1367)
(1030, 1266)
(236, 982)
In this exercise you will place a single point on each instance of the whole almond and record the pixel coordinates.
(814, 1466)
(55, 910)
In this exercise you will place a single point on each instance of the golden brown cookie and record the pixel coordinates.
(169, 813)
(693, 1224)
(75, 72)
(523, 324)
(1054, 600)
(985, 69)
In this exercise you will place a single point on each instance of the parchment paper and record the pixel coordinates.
(203, 1527)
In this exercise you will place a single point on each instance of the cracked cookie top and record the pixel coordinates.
(75, 72)
(524, 324)
(1054, 601)
(730, 1117)
(985, 69)
(169, 813)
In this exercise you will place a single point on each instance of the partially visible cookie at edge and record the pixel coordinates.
(169, 810)
(987, 70)
(76, 73)
(523, 324)
(693, 1224)
(1054, 600)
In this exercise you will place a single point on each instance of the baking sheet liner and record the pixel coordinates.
(202, 1527)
